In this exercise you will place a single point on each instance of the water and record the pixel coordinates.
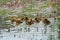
(36, 32)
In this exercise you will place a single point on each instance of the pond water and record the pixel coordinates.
(36, 32)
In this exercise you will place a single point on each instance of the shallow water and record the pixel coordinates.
(36, 33)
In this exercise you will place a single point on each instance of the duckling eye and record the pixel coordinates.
(26, 18)
(45, 19)
(35, 18)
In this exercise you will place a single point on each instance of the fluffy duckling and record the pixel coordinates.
(29, 22)
(45, 21)
(37, 20)
(13, 19)
(19, 20)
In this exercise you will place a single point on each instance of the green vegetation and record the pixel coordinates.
(58, 28)
(58, 23)
(4, 1)
(29, 9)
(57, 6)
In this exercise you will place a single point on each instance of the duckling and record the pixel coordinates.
(46, 22)
(13, 19)
(19, 20)
(37, 20)
(29, 22)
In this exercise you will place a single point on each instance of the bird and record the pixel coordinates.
(13, 19)
(37, 19)
(19, 20)
(45, 22)
(29, 22)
